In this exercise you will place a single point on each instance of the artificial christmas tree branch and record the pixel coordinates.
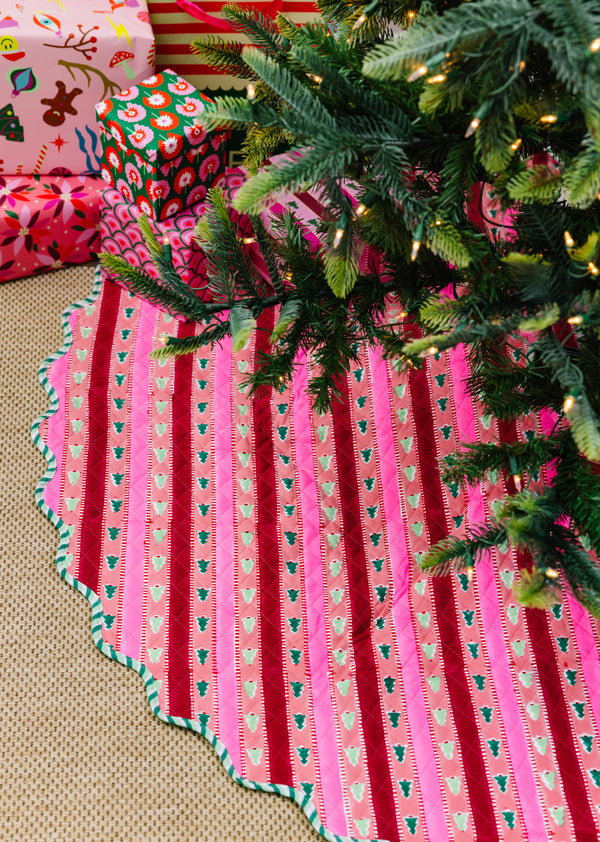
(460, 143)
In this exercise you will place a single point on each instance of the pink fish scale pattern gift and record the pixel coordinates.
(256, 563)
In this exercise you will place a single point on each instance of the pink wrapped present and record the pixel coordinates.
(54, 67)
(120, 235)
(47, 222)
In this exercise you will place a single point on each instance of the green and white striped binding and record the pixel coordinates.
(303, 800)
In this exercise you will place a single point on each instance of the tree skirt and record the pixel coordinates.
(256, 563)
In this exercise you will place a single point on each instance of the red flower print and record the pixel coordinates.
(157, 99)
(152, 81)
(126, 95)
(172, 206)
(124, 187)
(189, 107)
(171, 147)
(181, 87)
(106, 174)
(118, 134)
(165, 121)
(113, 159)
(66, 198)
(197, 194)
(22, 232)
(184, 179)
(218, 140)
(141, 137)
(132, 174)
(104, 108)
(158, 190)
(209, 165)
(195, 134)
(145, 206)
(132, 113)
(14, 190)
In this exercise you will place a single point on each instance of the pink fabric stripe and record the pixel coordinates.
(133, 582)
(225, 586)
(55, 426)
(582, 627)
(491, 614)
(416, 707)
(329, 769)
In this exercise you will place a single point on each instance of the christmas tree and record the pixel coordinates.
(455, 149)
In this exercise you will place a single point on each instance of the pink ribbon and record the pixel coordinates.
(271, 9)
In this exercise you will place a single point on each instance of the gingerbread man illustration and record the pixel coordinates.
(60, 105)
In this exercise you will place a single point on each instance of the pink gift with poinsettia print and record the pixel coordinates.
(154, 153)
(47, 222)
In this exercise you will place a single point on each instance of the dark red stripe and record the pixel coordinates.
(445, 607)
(271, 644)
(92, 519)
(179, 672)
(554, 698)
(367, 680)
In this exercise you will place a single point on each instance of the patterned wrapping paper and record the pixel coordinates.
(256, 563)
(175, 28)
(47, 222)
(154, 152)
(57, 64)
(120, 235)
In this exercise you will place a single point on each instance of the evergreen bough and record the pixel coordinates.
(413, 107)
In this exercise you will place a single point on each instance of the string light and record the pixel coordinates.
(552, 573)
(470, 572)
(251, 91)
(249, 240)
(438, 222)
(433, 350)
(569, 241)
(339, 236)
(473, 126)
(593, 269)
(417, 241)
(359, 21)
(595, 45)
(521, 66)
(569, 403)
(411, 15)
(433, 80)
(361, 210)
(514, 146)
(575, 320)
(416, 74)
(514, 469)
(163, 339)
(317, 79)
(168, 252)
(548, 118)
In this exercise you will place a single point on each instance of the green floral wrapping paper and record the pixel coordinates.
(154, 152)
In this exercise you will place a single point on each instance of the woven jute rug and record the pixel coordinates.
(81, 755)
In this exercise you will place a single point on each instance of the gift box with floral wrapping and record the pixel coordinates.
(154, 152)
(47, 221)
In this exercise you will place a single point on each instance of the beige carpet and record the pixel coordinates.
(81, 755)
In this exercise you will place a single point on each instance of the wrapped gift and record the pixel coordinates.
(154, 152)
(120, 235)
(177, 22)
(47, 222)
(56, 66)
